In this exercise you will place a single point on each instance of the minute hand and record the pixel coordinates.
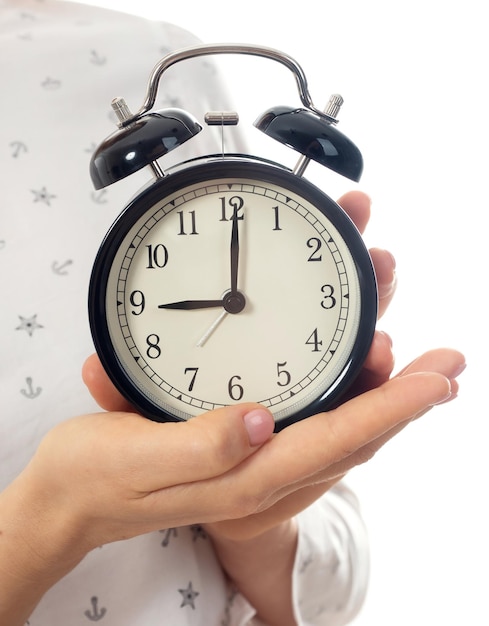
(188, 305)
(234, 253)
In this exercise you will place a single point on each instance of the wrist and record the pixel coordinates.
(261, 568)
(39, 544)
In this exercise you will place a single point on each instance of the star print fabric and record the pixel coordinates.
(61, 64)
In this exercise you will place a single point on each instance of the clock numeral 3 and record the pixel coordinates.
(328, 301)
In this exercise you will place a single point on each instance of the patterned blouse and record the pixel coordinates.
(61, 64)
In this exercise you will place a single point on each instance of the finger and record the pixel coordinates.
(314, 449)
(385, 271)
(450, 363)
(357, 206)
(208, 445)
(328, 438)
(141, 456)
(377, 368)
(101, 387)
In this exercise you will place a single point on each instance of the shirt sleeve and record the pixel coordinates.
(331, 569)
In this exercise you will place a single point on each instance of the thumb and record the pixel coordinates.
(223, 434)
(101, 388)
(162, 455)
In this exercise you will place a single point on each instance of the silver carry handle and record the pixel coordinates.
(223, 48)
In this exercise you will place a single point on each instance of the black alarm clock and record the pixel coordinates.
(230, 278)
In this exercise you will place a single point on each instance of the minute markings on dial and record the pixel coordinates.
(169, 383)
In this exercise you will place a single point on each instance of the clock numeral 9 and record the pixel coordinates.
(138, 301)
(157, 256)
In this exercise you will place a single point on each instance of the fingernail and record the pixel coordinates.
(387, 336)
(458, 370)
(386, 290)
(447, 396)
(259, 424)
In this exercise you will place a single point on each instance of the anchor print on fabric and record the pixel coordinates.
(168, 533)
(97, 59)
(60, 268)
(30, 392)
(197, 532)
(18, 148)
(51, 84)
(99, 197)
(95, 614)
(226, 621)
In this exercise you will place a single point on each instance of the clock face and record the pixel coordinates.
(231, 282)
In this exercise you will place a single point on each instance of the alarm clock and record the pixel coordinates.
(229, 277)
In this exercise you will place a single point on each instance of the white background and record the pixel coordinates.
(414, 78)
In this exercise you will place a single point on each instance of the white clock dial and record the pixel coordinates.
(236, 288)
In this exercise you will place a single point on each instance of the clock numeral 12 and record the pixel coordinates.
(236, 203)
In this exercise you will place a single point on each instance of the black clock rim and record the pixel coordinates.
(246, 168)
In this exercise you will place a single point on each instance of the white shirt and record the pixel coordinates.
(61, 64)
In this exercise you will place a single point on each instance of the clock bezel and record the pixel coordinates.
(199, 171)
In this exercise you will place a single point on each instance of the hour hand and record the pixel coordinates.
(188, 305)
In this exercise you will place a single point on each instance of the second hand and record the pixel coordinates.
(211, 329)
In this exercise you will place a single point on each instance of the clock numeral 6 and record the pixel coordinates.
(235, 390)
